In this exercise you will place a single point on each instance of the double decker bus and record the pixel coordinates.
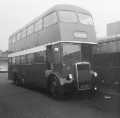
(54, 51)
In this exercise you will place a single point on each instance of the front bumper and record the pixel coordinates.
(70, 87)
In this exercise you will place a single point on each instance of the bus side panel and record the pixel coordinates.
(35, 75)
(45, 36)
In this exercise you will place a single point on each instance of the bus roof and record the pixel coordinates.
(55, 8)
(67, 7)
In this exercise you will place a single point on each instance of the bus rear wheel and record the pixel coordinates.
(19, 81)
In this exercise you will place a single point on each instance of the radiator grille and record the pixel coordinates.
(82, 74)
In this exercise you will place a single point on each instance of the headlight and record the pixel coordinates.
(70, 76)
(95, 74)
(95, 88)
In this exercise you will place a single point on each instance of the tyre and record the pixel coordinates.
(19, 81)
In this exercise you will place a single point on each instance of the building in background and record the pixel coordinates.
(3, 61)
(113, 29)
(107, 57)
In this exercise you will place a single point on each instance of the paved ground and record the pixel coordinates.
(16, 102)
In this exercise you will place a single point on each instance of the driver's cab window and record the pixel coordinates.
(57, 53)
(53, 54)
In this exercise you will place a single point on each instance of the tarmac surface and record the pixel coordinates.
(18, 102)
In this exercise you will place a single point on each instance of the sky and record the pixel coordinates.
(14, 14)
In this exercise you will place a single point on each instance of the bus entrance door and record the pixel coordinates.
(49, 57)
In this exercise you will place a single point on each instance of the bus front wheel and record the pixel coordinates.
(55, 89)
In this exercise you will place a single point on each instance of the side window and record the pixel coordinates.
(30, 58)
(17, 60)
(23, 33)
(39, 57)
(57, 54)
(12, 39)
(85, 19)
(22, 59)
(13, 60)
(10, 60)
(18, 35)
(50, 19)
(30, 29)
(38, 25)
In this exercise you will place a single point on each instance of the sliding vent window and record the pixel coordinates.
(50, 19)
(30, 29)
(38, 25)
(67, 16)
(85, 19)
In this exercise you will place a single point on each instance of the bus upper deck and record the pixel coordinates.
(60, 23)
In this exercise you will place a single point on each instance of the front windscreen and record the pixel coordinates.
(74, 17)
(71, 52)
(67, 16)
(70, 49)
(85, 19)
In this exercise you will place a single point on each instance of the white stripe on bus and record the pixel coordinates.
(42, 48)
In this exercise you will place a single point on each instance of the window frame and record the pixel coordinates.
(41, 55)
(13, 60)
(68, 44)
(18, 36)
(29, 29)
(68, 11)
(13, 39)
(57, 20)
(23, 33)
(85, 14)
(30, 60)
(36, 23)
(22, 59)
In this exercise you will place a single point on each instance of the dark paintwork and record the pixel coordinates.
(54, 61)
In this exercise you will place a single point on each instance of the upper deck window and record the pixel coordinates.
(23, 33)
(50, 19)
(38, 25)
(67, 16)
(13, 39)
(85, 19)
(18, 35)
(30, 29)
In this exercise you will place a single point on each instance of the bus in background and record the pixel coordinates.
(107, 61)
(54, 51)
